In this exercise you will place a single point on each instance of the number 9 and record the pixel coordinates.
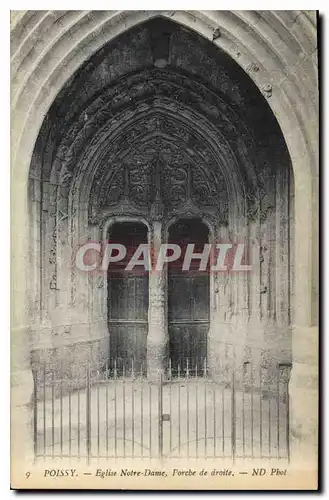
(27, 474)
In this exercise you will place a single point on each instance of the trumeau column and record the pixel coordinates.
(219, 345)
(157, 339)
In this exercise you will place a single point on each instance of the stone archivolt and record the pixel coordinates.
(143, 91)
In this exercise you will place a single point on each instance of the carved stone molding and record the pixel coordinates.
(162, 175)
(133, 95)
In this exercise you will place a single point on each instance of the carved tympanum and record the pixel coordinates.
(158, 171)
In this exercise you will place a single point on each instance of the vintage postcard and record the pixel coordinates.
(164, 246)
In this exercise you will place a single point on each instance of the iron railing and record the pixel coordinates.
(118, 413)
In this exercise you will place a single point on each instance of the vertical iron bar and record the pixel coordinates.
(187, 409)
(61, 410)
(70, 424)
(260, 412)
(205, 404)
(44, 411)
(214, 416)
(287, 422)
(269, 425)
(223, 420)
(205, 418)
(79, 421)
(98, 416)
(107, 417)
(170, 410)
(115, 410)
(196, 412)
(53, 413)
(179, 423)
(124, 410)
(243, 418)
(132, 416)
(142, 412)
(88, 437)
(252, 416)
(160, 419)
(233, 429)
(278, 411)
(150, 419)
(35, 415)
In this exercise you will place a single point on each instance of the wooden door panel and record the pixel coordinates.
(188, 299)
(188, 342)
(128, 347)
(128, 305)
(200, 298)
(141, 297)
(128, 298)
(117, 298)
(179, 297)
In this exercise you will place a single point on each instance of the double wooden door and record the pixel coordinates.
(188, 301)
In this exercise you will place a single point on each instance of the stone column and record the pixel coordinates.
(20, 366)
(21, 396)
(157, 339)
(303, 391)
(303, 385)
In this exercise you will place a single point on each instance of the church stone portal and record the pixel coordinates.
(160, 137)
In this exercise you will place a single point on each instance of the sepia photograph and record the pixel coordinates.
(164, 249)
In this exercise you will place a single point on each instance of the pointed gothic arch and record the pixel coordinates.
(246, 38)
